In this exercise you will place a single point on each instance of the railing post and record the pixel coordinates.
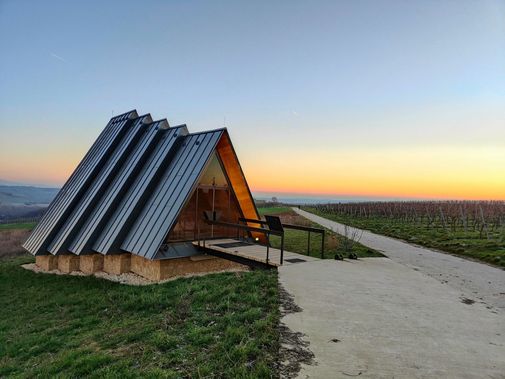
(308, 245)
(282, 247)
(268, 245)
(322, 246)
(198, 234)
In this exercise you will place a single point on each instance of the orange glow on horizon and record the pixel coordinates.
(436, 173)
(440, 173)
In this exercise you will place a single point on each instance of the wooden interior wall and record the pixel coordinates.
(237, 180)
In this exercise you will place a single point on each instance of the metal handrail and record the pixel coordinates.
(304, 228)
(239, 227)
(308, 229)
(245, 227)
(253, 221)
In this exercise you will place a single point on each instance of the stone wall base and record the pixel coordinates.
(155, 270)
(91, 263)
(68, 263)
(145, 267)
(117, 263)
(171, 268)
(47, 262)
(199, 264)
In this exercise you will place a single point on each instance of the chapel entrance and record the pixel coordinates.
(214, 193)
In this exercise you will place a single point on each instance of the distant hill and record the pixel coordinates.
(26, 195)
(18, 202)
(4, 182)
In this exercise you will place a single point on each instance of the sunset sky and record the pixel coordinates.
(371, 99)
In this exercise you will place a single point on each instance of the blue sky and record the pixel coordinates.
(288, 78)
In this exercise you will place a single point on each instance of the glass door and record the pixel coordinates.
(213, 194)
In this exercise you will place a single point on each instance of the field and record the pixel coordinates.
(221, 324)
(296, 240)
(18, 225)
(470, 229)
(11, 238)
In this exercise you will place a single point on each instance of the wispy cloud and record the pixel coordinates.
(58, 57)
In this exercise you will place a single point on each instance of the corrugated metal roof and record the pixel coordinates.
(175, 187)
(123, 180)
(127, 192)
(78, 182)
(100, 184)
(131, 204)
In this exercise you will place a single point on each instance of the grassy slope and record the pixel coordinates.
(466, 244)
(21, 225)
(296, 240)
(221, 324)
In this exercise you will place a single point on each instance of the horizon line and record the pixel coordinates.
(267, 195)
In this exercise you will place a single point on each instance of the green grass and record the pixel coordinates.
(274, 210)
(296, 241)
(456, 242)
(19, 225)
(220, 325)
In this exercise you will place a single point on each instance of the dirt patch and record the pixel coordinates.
(11, 241)
(294, 350)
(128, 278)
(288, 304)
(290, 217)
(468, 301)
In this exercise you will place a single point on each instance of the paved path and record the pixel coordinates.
(375, 318)
(473, 280)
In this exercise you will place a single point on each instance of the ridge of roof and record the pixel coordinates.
(164, 124)
(208, 131)
(169, 126)
(148, 116)
(129, 113)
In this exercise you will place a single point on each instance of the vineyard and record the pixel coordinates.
(471, 228)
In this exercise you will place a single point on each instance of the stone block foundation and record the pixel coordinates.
(91, 263)
(47, 262)
(171, 268)
(116, 263)
(68, 263)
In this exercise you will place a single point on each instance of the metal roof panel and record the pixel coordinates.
(75, 186)
(131, 204)
(116, 191)
(175, 187)
(99, 184)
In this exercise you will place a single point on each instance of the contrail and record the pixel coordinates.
(58, 57)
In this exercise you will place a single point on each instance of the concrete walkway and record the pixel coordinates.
(375, 318)
(473, 280)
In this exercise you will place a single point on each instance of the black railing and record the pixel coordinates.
(295, 227)
(239, 227)
(309, 230)
(274, 227)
